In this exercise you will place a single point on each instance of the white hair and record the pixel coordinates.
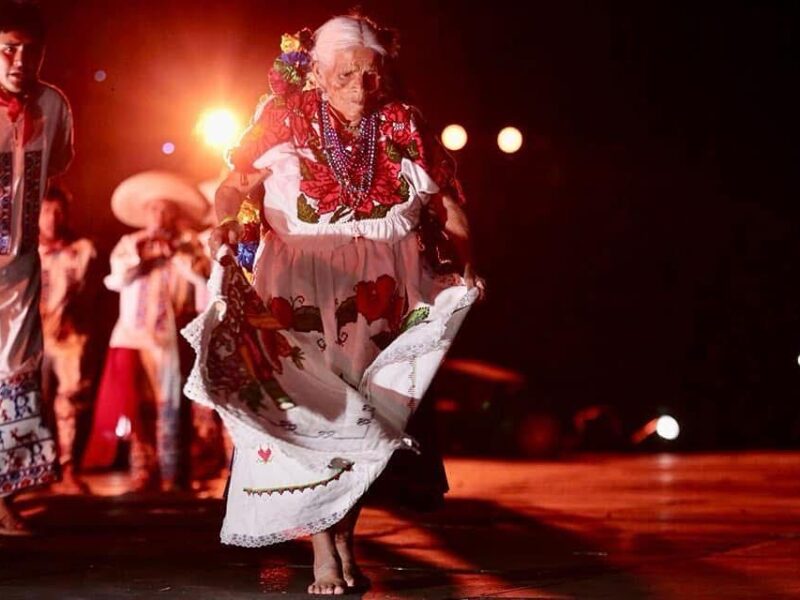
(340, 33)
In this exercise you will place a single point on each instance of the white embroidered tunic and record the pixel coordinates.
(65, 270)
(149, 303)
(36, 146)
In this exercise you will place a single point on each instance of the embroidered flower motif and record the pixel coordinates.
(396, 123)
(387, 186)
(282, 310)
(396, 311)
(269, 130)
(302, 109)
(374, 298)
(264, 454)
(319, 183)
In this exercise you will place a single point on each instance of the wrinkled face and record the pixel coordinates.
(20, 60)
(52, 220)
(160, 215)
(352, 81)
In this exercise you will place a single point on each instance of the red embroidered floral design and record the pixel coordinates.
(402, 134)
(282, 309)
(386, 187)
(379, 299)
(317, 182)
(264, 454)
(396, 123)
(302, 111)
(374, 298)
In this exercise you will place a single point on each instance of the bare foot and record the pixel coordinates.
(327, 571)
(71, 484)
(352, 573)
(11, 524)
(145, 483)
(327, 579)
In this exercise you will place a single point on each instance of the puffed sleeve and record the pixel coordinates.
(62, 151)
(436, 160)
(426, 163)
(269, 127)
(431, 171)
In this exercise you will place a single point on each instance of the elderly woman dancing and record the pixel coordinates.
(362, 277)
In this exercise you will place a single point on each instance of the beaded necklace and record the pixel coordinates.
(354, 169)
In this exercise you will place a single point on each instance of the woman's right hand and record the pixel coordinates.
(472, 280)
(228, 233)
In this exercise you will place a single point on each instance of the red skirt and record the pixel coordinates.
(118, 395)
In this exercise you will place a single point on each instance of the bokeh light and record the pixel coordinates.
(123, 428)
(667, 427)
(454, 137)
(509, 139)
(219, 128)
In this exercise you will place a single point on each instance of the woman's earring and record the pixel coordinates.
(311, 81)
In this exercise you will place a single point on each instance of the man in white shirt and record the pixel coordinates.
(35, 144)
(69, 288)
(156, 271)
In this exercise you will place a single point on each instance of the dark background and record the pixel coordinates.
(641, 249)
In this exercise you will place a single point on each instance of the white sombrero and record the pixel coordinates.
(131, 196)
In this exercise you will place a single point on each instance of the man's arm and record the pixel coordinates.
(62, 145)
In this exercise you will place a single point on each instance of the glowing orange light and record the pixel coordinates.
(219, 128)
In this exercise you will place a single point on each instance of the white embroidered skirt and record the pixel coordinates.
(28, 454)
(315, 370)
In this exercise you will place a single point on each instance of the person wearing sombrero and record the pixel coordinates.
(155, 270)
(35, 145)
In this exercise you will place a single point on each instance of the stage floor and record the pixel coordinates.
(645, 526)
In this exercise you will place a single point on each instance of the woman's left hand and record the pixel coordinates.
(228, 233)
(472, 280)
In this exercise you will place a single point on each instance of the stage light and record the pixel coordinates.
(454, 137)
(509, 139)
(219, 128)
(667, 428)
(100, 76)
(168, 148)
(123, 428)
(798, 360)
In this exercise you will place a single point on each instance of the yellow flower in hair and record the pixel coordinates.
(289, 43)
